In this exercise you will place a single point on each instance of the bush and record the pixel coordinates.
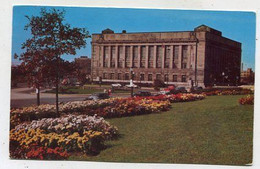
(157, 84)
(246, 100)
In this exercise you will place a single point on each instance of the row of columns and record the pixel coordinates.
(117, 54)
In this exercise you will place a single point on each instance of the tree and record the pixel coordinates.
(51, 38)
(157, 83)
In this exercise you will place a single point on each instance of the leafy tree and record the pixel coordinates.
(157, 83)
(51, 38)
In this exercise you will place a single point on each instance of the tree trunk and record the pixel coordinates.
(57, 88)
(57, 96)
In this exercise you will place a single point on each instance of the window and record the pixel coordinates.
(127, 56)
(176, 52)
(141, 76)
(113, 54)
(143, 53)
(150, 56)
(127, 76)
(135, 56)
(121, 59)
(158, 76)
(184, 57)
(167, 56)
(174, 78)
(106, 56)
(159, 53)
(184, 52)
(104, 76)
(150, 77)
(119, 76)
(183, 78)
(112, 75)
(133, 76)
(184, 65)
(166, 78)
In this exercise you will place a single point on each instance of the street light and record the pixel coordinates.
(223, 75)
(131, 82)
(37, 85)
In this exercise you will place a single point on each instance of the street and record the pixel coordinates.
(21, 97)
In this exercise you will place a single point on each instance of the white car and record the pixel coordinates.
(116, 85)
(163, 92)
(129, 86)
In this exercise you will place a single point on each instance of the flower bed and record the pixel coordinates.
(48, 111)
(228, 92)
(246, 100)
(181, 97)
(132, 106)
(71, 124)
(43, 138)
(113, 107)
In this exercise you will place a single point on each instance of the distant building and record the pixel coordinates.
(84, 64)
(247, 76)
(200, 57)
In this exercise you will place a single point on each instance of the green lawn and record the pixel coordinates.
(216, 130)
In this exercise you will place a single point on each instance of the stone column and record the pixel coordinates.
(189, 56)
(146, 56)
(171, 57)
(124, 60)
(139, 57)
(154, 56)
(131, 56)
(109, 57)
(180, 57)
(193, 57)
(117, 55)
(163, 55)
(102, 56)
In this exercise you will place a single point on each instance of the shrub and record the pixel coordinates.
(157, 83)
(246, 100)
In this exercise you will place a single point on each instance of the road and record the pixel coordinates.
(21, 97)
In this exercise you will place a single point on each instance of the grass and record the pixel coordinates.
(216, 130)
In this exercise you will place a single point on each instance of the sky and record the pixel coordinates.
(235, 25)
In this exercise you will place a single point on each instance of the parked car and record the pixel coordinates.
(197, 88)
(98, 96)
(164, 92)
(179, 90)
(129, 86)
(117, 85)
(143, 93)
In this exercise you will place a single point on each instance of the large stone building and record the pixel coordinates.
(201, 57)
(247, 76)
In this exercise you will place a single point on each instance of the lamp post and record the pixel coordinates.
(131, 82)
(223, 75)
(37, 85)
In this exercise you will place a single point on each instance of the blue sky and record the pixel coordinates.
(239, 26)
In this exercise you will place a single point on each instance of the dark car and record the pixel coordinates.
(98, 96)
(142, 94)
(179, 90)
(197, 88)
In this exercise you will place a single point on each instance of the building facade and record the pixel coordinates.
(201, 57)
(247, 76)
